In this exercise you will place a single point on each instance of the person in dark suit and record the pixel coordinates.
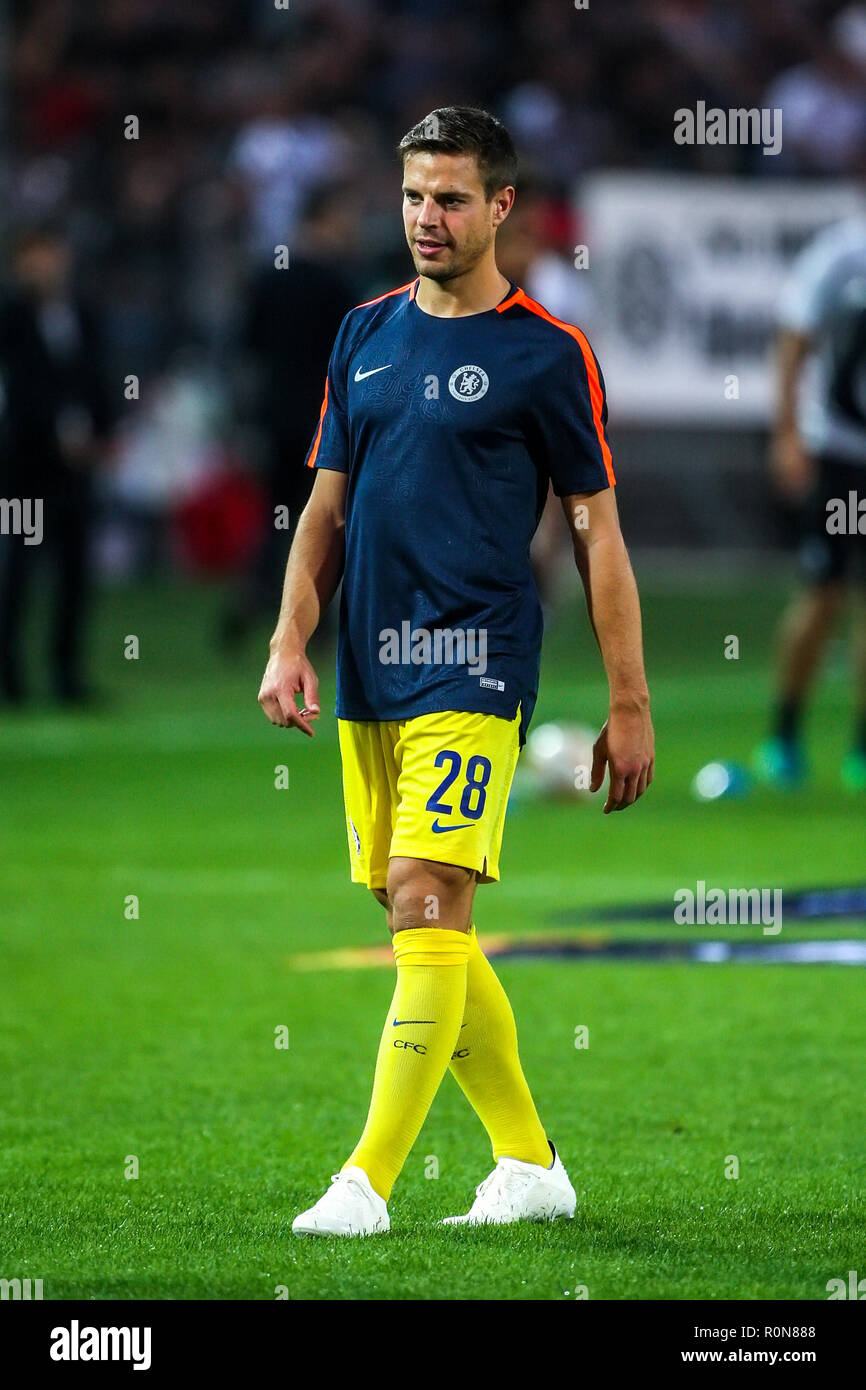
(54, 423)
(288, 323)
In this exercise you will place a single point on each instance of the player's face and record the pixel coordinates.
(449, 223)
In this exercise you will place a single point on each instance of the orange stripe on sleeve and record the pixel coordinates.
(596, 395)
(311, 461)
(314, 452)
(412, 286)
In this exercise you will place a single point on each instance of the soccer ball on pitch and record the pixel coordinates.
(717, 780)
(559, 759)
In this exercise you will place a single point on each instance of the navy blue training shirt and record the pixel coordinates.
(449, 430)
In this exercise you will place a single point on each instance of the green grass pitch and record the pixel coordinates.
(153, 1037)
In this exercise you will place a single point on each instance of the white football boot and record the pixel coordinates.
(350, 1207)
(517, 1191)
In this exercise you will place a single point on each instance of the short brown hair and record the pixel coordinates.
(466, 130)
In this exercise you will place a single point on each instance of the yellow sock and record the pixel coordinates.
(420, 1034)
(487, 1067)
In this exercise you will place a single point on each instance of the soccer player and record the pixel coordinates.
(449, 405)
(819, 462)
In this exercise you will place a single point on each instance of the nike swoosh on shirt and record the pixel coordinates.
(359, 375)
(399, 1022)
(440, 829)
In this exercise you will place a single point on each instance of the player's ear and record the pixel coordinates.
(503, 202)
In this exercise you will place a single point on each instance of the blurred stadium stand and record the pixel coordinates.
(248, 111)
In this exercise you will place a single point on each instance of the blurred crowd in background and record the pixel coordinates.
(246, 108)
(261, 126)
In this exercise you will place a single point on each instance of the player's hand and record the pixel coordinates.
(287, 674)
(626, 746)
(791, 467)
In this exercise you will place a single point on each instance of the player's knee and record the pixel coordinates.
(423, 893)
(382, 897)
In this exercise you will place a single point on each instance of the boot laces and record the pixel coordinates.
(505, 1183)
(348, 1186)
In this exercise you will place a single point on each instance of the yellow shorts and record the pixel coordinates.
(433, 787)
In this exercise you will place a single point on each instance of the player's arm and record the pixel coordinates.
(313, 572)
(790, 464)
(626, 743)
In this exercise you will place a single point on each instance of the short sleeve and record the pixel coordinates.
(804, 296)
(330, 446)
(570, 421)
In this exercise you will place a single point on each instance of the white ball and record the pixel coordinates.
(560, 756)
